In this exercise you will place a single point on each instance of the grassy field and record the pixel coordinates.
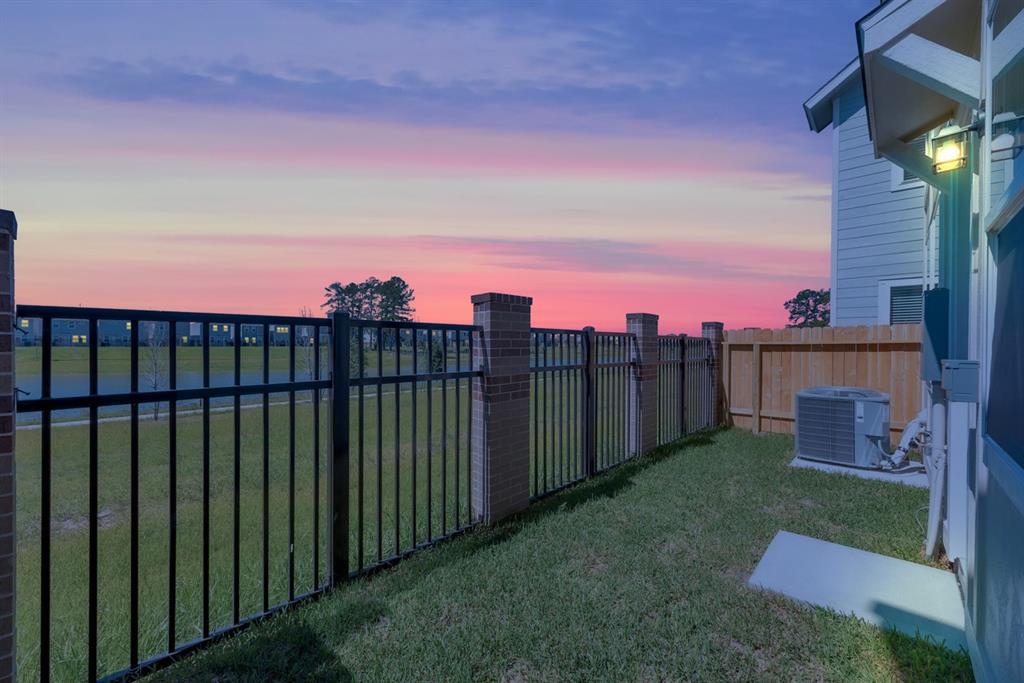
(446, 487)
(638, 574)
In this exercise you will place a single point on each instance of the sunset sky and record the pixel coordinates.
(600, 157)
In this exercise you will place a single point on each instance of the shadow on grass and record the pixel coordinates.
(606, 485)
(922, 659)
(288, 649)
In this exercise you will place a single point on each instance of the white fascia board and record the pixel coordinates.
(818, 107)
(890, 20)
(937, 68)
(1008, 47)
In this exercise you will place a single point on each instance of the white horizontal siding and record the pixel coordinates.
(879, 233)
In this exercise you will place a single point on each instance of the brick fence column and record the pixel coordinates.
(501, 406)
(8, 233)
(715, 332)
(643, 385)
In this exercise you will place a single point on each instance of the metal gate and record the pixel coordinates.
(685, 386)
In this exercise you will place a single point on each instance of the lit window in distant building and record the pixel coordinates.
(128, 325)
(184, 339)
(282, 329)
(24, 322)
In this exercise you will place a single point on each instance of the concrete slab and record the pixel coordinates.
(916, 478)
(890, 593)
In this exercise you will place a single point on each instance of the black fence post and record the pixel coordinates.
(683, 425)
(338, 472)
(590, 402)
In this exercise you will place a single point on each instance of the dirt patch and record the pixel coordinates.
(519, 672)
(596, 564)
(762, 657)
(105, 519)
(738, 574)
(382, 628)
(451, 615)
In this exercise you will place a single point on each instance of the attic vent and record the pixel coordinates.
(905, 304)
(918, 144)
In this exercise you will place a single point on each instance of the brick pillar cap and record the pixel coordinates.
(712, 324)
(495, 297)
(641, 316)
(9, 223)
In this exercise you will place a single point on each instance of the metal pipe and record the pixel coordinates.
(935, 455)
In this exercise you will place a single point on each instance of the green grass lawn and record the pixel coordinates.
(447, 490)
(638, 574)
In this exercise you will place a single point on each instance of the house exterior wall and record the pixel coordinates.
(878, 231)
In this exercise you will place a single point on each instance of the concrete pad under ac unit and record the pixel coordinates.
(918, 479)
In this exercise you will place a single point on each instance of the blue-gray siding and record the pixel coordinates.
(879, 232)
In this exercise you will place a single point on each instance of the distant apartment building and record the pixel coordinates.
(71, 332)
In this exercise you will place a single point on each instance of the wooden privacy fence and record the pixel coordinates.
(764, 369)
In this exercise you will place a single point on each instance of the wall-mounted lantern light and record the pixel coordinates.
(949, 152)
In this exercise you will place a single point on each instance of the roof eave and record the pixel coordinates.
(817, 108)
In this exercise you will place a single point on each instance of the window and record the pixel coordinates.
(216, 328)
(903, 179)
(900, 301)
(24, 323)
(282, 329)
(128, 325)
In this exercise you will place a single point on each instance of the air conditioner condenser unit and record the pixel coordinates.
(842, 425)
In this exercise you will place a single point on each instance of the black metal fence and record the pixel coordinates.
(685, 386)
(184, 490)
(615, 363)
(410, 435)
(558, 402)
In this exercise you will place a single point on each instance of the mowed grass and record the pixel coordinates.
(441, 506)
(638, 574)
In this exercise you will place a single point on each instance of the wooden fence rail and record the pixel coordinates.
(762, 370)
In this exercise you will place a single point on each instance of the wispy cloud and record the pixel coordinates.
(663, 258)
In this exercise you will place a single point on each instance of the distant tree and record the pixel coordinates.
(305, 340)
(372, 299)
(358, 299)
(395, 298)
(809, 308)
(154, 360)
(438, 357)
